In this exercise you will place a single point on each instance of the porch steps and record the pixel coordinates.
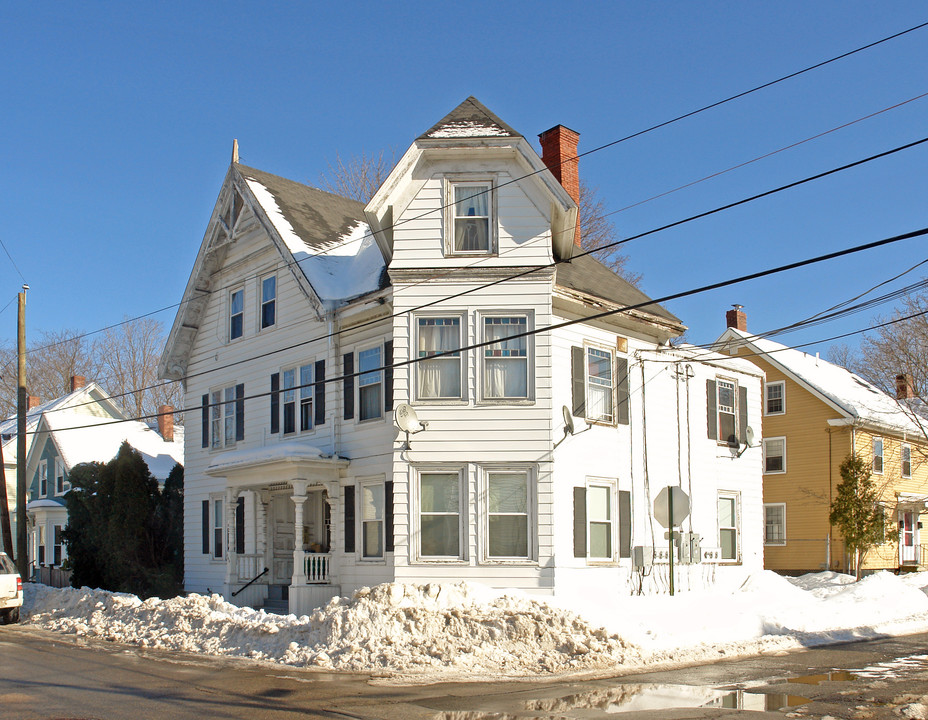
(277, 601)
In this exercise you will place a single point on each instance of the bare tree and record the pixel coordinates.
(359, 176)
(842, 355)
(899, 348)
(597, 230)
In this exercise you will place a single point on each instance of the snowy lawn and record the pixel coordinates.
(445, 632)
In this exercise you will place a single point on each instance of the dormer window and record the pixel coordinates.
(471, 212)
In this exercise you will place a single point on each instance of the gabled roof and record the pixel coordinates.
(849, 394)
(469, 119)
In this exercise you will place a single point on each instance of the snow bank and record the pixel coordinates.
(466, 630)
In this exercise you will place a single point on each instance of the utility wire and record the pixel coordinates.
(3, 244)
(599, 148)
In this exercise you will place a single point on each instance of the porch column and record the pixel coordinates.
(262, 499)
(299, 555)
(337, 530)
(231, 557)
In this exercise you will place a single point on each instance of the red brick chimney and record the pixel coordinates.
(559, 153)
(736, 318)
(905, 388)
(166, 422)
(33, 401)
(77, 382)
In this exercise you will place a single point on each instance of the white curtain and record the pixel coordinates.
(471, 210)
(505, 362)
(439, 377)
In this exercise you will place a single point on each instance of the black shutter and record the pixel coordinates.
(204, 422)
(349, 518)
(319, 392)
(712, 419)
(578, 377)
(580, 522)
(239, 412)
(206, 527)
(621, 368)
(625, 524)
(388, 515)
(275, 403)
(348, 384)
(240, 525)
(742, 413)
(388, 376)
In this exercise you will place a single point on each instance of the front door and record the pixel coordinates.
(908, 538)
(282, 537)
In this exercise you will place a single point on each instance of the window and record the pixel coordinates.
(728, 526)
(440, 515)
(599, 521)
(505, 362)
(439, 377)
(217, 527)
(268, 301)
(774, 455)
(370, 383)
(59, 477)
(43, 478)
(56, 546)
(226, 423)
(775, 398)
(297, 405)
(372, 526)
(508, 520)
(906, 461)
(471, 208)
(878, 456)
(599, 385)
(775, 524)
(236, 313)
(727, 392)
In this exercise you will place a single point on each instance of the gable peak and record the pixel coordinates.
(470, 119)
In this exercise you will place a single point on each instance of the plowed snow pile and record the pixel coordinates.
(467, 629)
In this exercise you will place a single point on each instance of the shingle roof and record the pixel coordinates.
(587, 275)
(469, 119)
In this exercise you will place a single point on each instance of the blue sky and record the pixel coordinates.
(118, 122)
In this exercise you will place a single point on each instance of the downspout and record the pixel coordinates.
(830, 501)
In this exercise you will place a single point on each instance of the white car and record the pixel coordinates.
(11, 590)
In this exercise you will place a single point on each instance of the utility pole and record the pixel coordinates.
(22, 562)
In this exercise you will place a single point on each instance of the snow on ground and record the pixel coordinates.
(465, 630)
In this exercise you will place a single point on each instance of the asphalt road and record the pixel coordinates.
(44, 675)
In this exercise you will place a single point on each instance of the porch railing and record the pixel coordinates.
(247, 566)
(317, 568)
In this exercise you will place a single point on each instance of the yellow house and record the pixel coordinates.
(815, 414)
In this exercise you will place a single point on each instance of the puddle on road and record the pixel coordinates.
(835, 676)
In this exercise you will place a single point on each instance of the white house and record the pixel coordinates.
(309, 319)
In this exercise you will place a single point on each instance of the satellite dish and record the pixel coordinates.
(407, 420)
(568, 420)
(749, 436)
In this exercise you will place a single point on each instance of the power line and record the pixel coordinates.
(599, 148)
(567, 323)
(3, 244)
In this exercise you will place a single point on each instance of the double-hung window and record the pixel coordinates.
(307, 390)
(56, 545)
(506, 360)
(268, 301)
(775, 398)
(59, 477)
(774, 455)
(440, 515)
(508, 518)
(599, 521)
(906, 461)
(296, 408)
(471, 215)
(372, 516)
(218, 527)
(43, 478)
(236, 313)
(728, 526)
(370, 383)
(727, 426)
(222, 417)
(600, 385)
(775, 524)
(439, 374)
(878, 456)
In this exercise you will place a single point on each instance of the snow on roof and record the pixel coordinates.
(468, 128)
(263, 455)
(849, 392)
(346, 267)
(692, 353)
(98, 439)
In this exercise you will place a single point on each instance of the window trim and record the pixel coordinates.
(612, 485)
(361, 484)
(381, 382)
(59, 464)
(262, 302)
(462, 358)
(222, 412)
(240, 314)
(736, 496)
(531, 475)
(775, 543)
(881, 455)
(43, 478)
(734, 413)
(462, 557)
(782, 398)
(453, 181)
(299, 389)
(482, 317)
(906, 449)
(771, 440)
(587, 346)
(217, 500)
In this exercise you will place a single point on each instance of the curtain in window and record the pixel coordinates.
(471, 224)
(506, 361)
(508, 515)
(439, 498)
(439, 377)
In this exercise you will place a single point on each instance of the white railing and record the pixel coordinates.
(317, 568)
(247, 566)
